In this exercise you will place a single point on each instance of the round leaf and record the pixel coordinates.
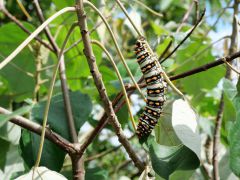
(185, 125)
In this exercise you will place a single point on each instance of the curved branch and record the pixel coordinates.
(130, 20)
(120, 79)
(146, 7)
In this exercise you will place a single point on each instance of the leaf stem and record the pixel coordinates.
(120, 79)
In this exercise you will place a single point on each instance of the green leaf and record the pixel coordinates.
(6, 117)
(234, 135)
(164, 132)
(52, 155)
(13, 164)
(133, 66)
(41, 173)
(10, 132)
(165, 4)
(158, 29)
(96, 174)
(20, 84)
(161, 47)
(76, 63)
(167, 159)
(63, 3)
(229, 89)
(122, 115)
(108, 74)
(3, 153)
(235, 147)
(81, 107)
(184, 121)
(187, 60)
(224, 168)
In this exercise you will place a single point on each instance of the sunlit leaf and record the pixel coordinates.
(41, 173)
(184, 121)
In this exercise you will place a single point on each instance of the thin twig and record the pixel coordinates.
(146, 7)
(230, 66)
(37, 75)
(36, 128)
(186, 16)
(218, 18)
(104, 153)
(130, 20)
(205, 67)
(48, 102)
(91, 31)
(101, 87)
(197, 53)
(196, 10)
(216, 137)
(185, 38)
(202, 68)
(24, 10)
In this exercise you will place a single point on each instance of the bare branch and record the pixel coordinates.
(206, 66)
(185, 38)
(36, 128)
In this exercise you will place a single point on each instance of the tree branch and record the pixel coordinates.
(206, 66)
(62, 75)
(218, 122)
(101, 87)
(36, 128)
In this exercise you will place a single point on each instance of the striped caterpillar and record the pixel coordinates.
(155, 88)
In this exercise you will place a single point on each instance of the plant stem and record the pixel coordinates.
(101, 87)
(36, 128)
(120, 79)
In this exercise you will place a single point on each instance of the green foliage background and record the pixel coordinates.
(17, 82)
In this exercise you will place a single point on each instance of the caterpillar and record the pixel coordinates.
(155, 88)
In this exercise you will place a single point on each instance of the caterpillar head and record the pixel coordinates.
(140, 42)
